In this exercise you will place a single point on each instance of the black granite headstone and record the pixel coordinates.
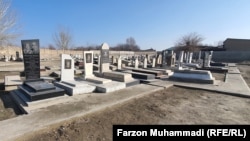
(17, 55)
(31, 56)
(105, 56)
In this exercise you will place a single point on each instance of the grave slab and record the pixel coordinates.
(98, 80)
(156, 73)
(195, 76)
(110, 87)
(121, 77)
(75, 87)
(139, 75)
(40, 90)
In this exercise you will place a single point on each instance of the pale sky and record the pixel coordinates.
(156, 24)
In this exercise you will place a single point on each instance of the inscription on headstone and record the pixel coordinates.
(88, 64)
(67, 64)
(89, 57)
(104, 65)
(31, 58)
(105, 56)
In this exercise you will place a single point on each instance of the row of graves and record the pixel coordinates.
(17, 57)
(112, 74)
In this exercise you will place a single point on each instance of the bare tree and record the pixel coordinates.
(8, 22)
(51, 47)
(131, 44)
(189, 42)
(63, 38)
(130, 41)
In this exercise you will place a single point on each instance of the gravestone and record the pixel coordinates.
(67, 67)
(68, 82)
(31, 56)
(158, 60)
(153, 62)
(136, 62)
(104, 60)
(17, 55)
(148, 58)
(180, 60)
(119, 63)
(99, 63)
(206, 60)
(199, 57)
(145, 63)
(163, 60)
(113, 60)
(187, 57)
(88, 64)
(171, 59)
(190, 57)
(34, 88)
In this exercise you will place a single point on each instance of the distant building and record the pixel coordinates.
(231, 44)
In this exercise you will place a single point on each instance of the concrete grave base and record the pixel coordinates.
(141, 76)
(110, 87)
(121, 77)
(132, 82)
(12, 82)
(98, 80)
(75, 87)
(26, 106)
(117, 76)
(164, 71)
(195, 76)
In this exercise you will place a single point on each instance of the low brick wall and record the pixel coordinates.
(48, 53)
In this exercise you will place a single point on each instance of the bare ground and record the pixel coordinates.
(172, 106)
(245, 72)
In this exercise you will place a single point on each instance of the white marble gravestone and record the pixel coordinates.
(68, 82)
(119, 63)
(207, 59)
(136, 62)
(190, 57)
(153, 63)
(145, 63)
(67, 67)
(180, 60)
(88, 64)
(104, 60)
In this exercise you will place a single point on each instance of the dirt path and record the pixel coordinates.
(172, 106)
(245, 72)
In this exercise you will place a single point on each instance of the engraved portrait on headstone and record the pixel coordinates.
(67, 64)
(105, 55)
(31, 58)
(88, 58)
(31, 48)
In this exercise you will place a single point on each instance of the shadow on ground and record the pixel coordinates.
(8, 108)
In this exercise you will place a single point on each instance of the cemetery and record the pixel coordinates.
(75, 85)
(81, 70)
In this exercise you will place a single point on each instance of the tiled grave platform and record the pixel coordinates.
(39, 89)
